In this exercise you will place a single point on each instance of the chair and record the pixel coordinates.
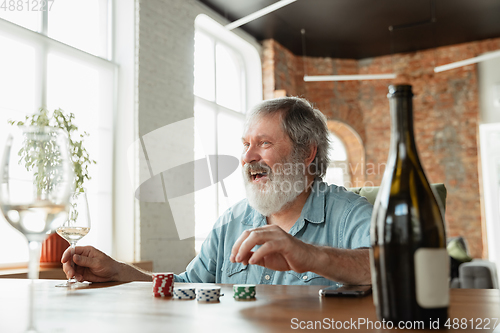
(468, 272)
(478, 274)
(370, 193)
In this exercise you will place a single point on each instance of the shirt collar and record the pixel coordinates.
(314, 208)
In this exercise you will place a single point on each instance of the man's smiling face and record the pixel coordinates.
(265, 144)
(266, 150)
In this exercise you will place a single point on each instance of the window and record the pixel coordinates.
(227, 81)
(60, 59)
(490, 167)
(338, 170)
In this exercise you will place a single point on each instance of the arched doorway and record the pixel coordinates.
(347, 166)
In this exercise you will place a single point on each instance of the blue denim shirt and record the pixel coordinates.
(331, 216)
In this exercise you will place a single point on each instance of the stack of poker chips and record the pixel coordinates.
(163, 283)
(244, 291)
(184, 293)
(208, 294)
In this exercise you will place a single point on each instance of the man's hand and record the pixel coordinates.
(91, 265)
(279, 251)
(282, 252)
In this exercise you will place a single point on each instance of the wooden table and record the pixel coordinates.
(130, 307)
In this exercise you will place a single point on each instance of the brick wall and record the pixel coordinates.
(446, 115)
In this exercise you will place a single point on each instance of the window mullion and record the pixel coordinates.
(215, 173)
(42, 62)
(45, 22)
(41, 74)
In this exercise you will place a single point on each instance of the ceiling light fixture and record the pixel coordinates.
(354, 77)
(257, 14)
(483, 57)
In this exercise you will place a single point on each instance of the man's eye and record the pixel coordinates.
(266, 143)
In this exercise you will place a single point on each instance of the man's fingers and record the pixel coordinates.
(256, 237)
(82, 250)
(66, 255)
(79, 273)
(267, 249)
(68, 270)
(85, 261)
(237, 244)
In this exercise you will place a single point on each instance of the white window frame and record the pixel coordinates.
(44, 46)
(490, 164)
(252, 85)
(340, 164)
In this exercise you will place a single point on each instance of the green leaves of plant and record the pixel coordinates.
(46, 157)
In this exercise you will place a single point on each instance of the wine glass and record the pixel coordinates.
(36, 180)
(75, 227)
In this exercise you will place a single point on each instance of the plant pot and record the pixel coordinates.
(52, 251)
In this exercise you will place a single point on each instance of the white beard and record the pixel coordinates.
(279, 190)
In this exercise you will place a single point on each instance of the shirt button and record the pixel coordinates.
(304, 277)
(267, 277)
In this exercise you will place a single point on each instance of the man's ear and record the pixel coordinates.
(312, 154)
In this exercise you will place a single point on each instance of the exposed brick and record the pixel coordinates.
(446, 116)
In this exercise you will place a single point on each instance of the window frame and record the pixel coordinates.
(340, 164)
(249, 58)
(44, 45)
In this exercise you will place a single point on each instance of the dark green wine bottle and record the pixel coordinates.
(409, 261)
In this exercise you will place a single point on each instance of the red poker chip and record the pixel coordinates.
(163, 275)
(163, 284)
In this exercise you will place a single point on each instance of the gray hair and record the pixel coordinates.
(305, 126)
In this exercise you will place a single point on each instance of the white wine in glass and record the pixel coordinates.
(36, 180)
(75, 227)
(72, 234)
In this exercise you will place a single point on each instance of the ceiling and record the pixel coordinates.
(358, 29)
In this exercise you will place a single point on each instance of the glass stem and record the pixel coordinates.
(33, 269)
(73, 245)
(34, 263)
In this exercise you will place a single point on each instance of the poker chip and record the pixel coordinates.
(244, 291)
(184, 293)
(208, 294)
(163, 284)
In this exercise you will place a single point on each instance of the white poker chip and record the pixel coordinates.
(208, 288)
(184, 293)
(208, 293)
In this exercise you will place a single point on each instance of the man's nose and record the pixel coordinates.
(250, 155)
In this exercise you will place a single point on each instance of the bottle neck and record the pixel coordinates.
(402, 135)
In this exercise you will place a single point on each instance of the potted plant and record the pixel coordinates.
(55, 245)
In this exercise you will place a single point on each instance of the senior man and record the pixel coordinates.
(292, 229)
